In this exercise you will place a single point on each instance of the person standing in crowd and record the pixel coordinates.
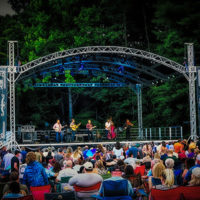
(107, 127)
(15, 161)
(90, 128)
(23, 152)
(34, 174)
(133, 151)
(74, 128)
(178, 146)
(58, 128)
(7, 160)
(189, 173)
(59, 156)
(38, 155)
(127, 127)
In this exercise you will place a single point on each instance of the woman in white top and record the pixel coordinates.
(118, 151)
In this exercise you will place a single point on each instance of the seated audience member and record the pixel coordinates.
(49, 157)
(86, 179)
(169, 163)
(67, 171)
(14, 191)
(189, 162)
(147, 149)
(134, 179)
(14, 177)
(170, 155)
(56, 167)
(49, 172)
(100, 167)
(167, 180)
(118, 151)
(117, 178)
(34, 169)
(189, 173)
(157, 175)
(195, 178)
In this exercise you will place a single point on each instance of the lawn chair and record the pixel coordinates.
(38, 192)
(60, 196)
(86, 193)
(28, 197)
(171, 194)
(114, 190)
(190, 192)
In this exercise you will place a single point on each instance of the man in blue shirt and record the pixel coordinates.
(133, 151)
(189, 173)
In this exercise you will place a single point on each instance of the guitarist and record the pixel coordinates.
(58, 127)
(74, 127)
(90, 128)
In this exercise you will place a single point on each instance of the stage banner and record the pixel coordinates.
(3, 101)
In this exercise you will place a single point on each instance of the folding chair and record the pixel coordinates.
(86, 192)
(115, 190)
(38, 192)
(190, 192)
(28, 197)
(171, 194)
(140, 170)
(59, 196)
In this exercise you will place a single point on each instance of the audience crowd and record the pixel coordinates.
(145, 166)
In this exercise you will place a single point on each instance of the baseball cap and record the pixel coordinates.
(88, 165)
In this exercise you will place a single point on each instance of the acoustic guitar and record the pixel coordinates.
(75, 127)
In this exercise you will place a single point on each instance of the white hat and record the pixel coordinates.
(88, 165)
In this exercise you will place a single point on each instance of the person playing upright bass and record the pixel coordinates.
(74, 127)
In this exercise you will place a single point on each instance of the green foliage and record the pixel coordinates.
(44, 27)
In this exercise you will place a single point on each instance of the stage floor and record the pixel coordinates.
(89, 143)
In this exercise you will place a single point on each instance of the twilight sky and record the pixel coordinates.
(5, 8)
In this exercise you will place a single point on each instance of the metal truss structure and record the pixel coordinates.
(108, 60)
(12, 143)
(192, 94)
(78, 85)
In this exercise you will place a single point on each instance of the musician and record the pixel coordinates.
(107, 127)
(90, 128)
(74, 127)
(58, 127)
(127, 127)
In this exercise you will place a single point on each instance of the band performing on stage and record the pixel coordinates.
(110, 130)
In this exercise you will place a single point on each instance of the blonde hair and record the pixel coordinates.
(157, 156)
(168, 176)
(195, 179)
(158, 169)
(99, 164)
(30, 157)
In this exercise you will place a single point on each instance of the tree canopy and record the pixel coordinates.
(44, 27)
